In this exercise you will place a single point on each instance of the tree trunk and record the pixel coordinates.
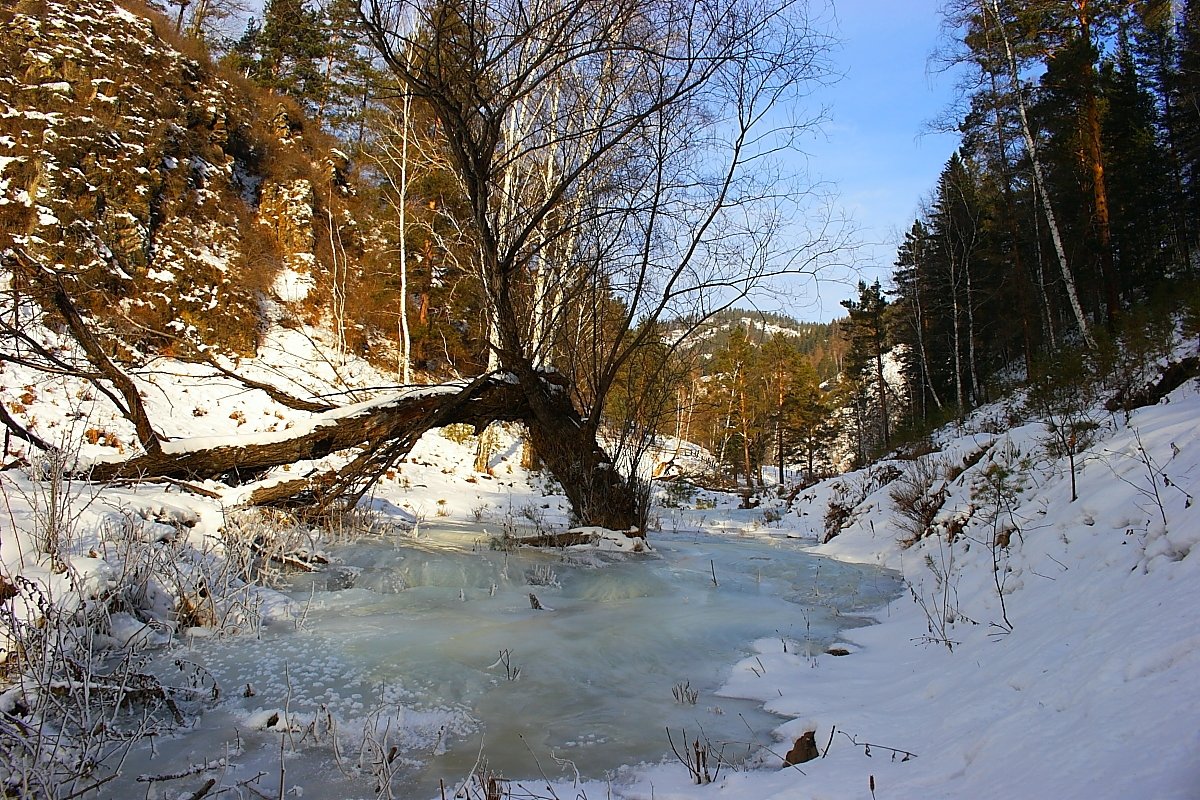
(599, 494)
(1039, 182)
(883, 401)
(956, 316)
(1009, 207)
(1095, 158)
(373, 424)
(405, 337)
(972, 361)
(919, 330)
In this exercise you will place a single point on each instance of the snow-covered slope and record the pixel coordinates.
(1046, 648)
(1052, 650)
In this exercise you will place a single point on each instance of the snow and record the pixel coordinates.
(1082, 683)
(1080, 699)
(291, 286)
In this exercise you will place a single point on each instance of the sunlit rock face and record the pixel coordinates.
(147, 173)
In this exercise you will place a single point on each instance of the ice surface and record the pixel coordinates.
(412, 631)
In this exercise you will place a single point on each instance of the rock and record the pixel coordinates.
(805, 749)
(338, 578)
(287, 210)
(283, 126)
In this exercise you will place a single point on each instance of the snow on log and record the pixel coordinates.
(402, 416)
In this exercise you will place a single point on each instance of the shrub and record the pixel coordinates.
(459, 433)
(678, 493)
(917, 501)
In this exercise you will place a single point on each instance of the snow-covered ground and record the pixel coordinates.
(1052, 650)
(1090, 689)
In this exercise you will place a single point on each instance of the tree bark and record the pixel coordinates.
(597, 491)
(1095, 157)
(1039, 182)
(370, 424)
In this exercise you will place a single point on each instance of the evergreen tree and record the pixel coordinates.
(917, 313)
(866, 332)
(1187, 103)
(354, 86)
(1139, 175)
(808, 419)
(287, 51)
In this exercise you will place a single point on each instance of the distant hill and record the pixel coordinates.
(819, 341)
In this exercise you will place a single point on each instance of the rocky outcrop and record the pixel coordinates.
(287, 209)
(137, 170)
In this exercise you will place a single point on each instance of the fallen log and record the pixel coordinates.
(406, 415)
(571, 538)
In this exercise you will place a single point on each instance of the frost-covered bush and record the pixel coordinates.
(541, 575)
(919, 494)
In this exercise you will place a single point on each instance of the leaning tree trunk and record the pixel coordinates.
(371, 426)
(597, 491)
(1039, 182)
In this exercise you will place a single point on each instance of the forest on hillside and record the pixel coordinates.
(452, 188)
(1067, 219)
(1059, 238)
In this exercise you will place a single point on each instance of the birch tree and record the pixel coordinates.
(619, 161)
(993, 17)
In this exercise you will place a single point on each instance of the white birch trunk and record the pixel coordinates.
(1039, 183)
(405, 339)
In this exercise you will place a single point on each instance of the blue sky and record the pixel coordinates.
(876, 150)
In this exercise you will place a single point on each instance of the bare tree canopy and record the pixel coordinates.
(621, 163)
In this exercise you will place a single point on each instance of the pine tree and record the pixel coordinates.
(1139, 175)
(353, 84)
(917, 312)
(866, 331)
(1187, 102)
(807, 418)
(286, 51)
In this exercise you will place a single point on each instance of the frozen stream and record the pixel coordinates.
(403, 638)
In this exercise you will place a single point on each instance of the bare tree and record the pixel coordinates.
(393, 156)
(210, 20)
(619, 163)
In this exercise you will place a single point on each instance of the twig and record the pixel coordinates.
(195, 769)
(754, 741)
(895, 751)
(829, 744)
(541, 771)
(279, 396)
(713, 567)
(203, 790)
(90, 787)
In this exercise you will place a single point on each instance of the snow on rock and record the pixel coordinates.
(291, 286)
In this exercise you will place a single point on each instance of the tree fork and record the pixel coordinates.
(566, 443)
